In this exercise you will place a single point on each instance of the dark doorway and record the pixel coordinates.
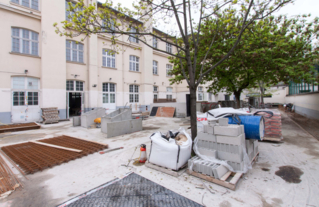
(75, 104)
(188, 105)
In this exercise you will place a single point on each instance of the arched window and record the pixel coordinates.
(25, 41)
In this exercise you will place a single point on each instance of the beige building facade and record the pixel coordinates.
(39, 69)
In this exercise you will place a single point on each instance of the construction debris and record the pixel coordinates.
(19, 127)
(8, 181)
(110, 150)
(31, 157)
(50, 115)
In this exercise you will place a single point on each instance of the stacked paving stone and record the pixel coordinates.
(224, 142)
(272, 124)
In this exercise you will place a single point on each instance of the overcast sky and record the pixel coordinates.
(299, 7)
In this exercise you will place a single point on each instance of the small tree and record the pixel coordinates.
(272, 50)
(88, 19)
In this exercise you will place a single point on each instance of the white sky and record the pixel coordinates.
(299, 7)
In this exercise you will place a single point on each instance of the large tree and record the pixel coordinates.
(272, 50)
(91, 19)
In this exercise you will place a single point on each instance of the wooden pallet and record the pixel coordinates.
(231, 176)
(166, 170)
(17, 127)
(272, 139)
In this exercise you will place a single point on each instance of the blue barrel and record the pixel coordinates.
(254, 126)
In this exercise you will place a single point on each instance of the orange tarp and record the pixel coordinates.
(165, 111)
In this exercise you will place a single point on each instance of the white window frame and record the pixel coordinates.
(134, 93)
(200, 97)
(169, 89)
(32, 4)
(77, 86)
(168, 68)
(110, 26)
(169, 97)
(154, 42)
(168, 47)
(200, 88)
(155, 67)
(155, 97)
(25, 87)
(134, 63)
(67, 13)
(109, 93)
(155, 89)
(133, 37)
(108, 58)
(26, 45)
(74, 51)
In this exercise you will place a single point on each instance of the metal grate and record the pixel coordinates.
(133, 190)
(34, 157)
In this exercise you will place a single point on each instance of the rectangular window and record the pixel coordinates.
(18, 83)
(108, 26)
(18, 98)
(70, 85)
(25, 41)
(155, 89)
(155, 63)
(154, 42)
(108, 58)
(169, 97)
(33, 4)
(32, 83)
(227, 98)
(200, 96)
(168, 70)
(79, 86)
(134, 63)
(134, 96)
(33, 98)
(168, 48)
(105, 97)
(74, 51)
(169, 89)
(69, 14)
(133, 37)
(155, 96)
(108, 92)
(200, 88)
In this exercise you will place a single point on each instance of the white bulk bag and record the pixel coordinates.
(167, 153)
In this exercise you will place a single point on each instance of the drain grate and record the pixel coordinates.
(133, 190)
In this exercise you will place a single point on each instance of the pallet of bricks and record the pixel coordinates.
(50, 115)
(273, 130)
(223, 142)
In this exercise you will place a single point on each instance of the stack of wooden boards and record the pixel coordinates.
(18, 127)
(163, 111)
(50, 115)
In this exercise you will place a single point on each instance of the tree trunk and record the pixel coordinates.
(193, 114)
(237, 96)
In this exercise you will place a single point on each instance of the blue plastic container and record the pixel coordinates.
(254, 126)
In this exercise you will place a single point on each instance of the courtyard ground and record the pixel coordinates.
(296, 160)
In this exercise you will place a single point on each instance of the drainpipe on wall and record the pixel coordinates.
(88, 67)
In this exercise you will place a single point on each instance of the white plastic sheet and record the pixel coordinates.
(247, 162)
(167, 153)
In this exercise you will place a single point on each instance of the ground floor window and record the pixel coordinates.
(108, 92)
(200, 96)
(134, 94)
(155, 96)
(169, 97)
(77, 85)
(21, 98)
(18, 98)
(33, 98)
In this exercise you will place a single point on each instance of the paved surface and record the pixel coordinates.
(286, 174)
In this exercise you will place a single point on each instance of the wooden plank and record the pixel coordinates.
(272, 139)
(56, 146)
(235, 179)
(213, 180)
(20, 128)
(165, 170)
(88, 140)
(226, 176)
(254, 159)
(165, 112)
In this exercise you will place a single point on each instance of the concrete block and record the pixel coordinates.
(249, 145)
(230, 130)
(123, 127)
(210, 129)
(223, 121)
(208, 152)
(220, 171)
(242, 129)
(235, 149)
(205, 125)
(239, 140)
(87, 118)
(212, 122)
(77, 121)
(237, 166)
(206, 137)
(230, 156)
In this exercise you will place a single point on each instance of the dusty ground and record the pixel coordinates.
(286, 174)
